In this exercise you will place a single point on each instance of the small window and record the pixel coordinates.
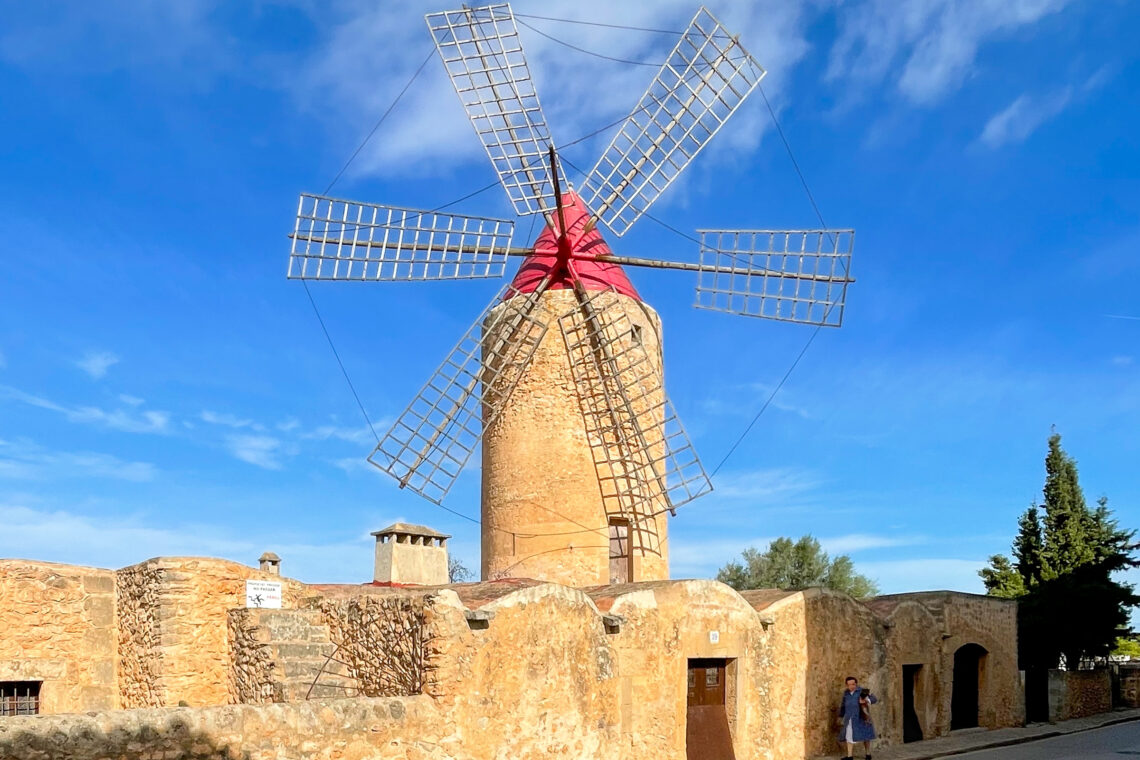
(19, 698)
(712, 677)
(635, 335)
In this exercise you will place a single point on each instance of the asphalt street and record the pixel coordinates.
(1119, 742)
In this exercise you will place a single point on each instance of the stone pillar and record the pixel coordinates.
(270, 563)
(545, 512)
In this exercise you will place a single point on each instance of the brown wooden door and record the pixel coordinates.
(621, 551)
(707, 736)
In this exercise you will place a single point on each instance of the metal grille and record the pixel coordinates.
(481, 51)
(19, 698)
(432, 440)
(706, 77)
(644, 459)
(344, 240)
(786, 275)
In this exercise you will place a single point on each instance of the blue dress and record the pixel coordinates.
(860, 730)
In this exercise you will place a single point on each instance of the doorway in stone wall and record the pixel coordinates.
(707, 735)
(912, 727)
(969, 661)
(621, 551)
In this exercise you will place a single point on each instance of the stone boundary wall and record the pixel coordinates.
(57, 626)
(378, 729)
(173, 632)
(1079, 693)
(251, 673)
(138, 589)
(381, 640)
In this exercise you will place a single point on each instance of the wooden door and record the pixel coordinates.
(621, 551)
(707, 735)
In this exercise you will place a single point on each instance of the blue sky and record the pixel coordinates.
(165, 390)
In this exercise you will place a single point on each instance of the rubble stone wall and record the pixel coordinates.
(1079, 693)
(380, 640)
(344, 729)
(252, 678)
(139, 638)
(57, 625)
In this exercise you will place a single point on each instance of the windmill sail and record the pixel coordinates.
(430, 443)
(645, 461)
(786, 275)
(344, 240)
(704, 80)
(481, 51)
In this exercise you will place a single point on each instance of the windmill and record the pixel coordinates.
(560, 378)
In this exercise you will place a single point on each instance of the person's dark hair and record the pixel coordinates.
(850, 678)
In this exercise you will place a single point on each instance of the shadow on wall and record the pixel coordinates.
(178, 741)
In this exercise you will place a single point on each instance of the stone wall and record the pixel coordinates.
(380, 641)
(927, 629)
(1129, 685)
(538, 681)
(174, 628)
(138, 639)
(345, 729)
(1079, 693)
(252, 678)
(57, 625)
(665, 625)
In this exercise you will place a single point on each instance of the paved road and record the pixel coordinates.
(1120, 742)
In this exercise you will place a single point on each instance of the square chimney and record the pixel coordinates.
(411, 554)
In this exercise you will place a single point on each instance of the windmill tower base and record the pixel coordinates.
(546, 512)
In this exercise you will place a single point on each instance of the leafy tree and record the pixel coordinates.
(794, 565)
(1002, 578)
(1127, 646)
(1062, 572)
(457, 572)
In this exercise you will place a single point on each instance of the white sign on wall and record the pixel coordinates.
(714, 637)
(263, 594)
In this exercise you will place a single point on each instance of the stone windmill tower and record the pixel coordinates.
(561, 378)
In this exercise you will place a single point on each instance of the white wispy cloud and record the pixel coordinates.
(59, 535)
(96, 363)
(926, 49)
(3, 360)
(1017, 121)
(767, 485)
(358, 435)
(935, 574)
(1122, 361)
(430, 133)
(858, 542)
(128, 421)
(228, 420)
(28, 461)
(130, 400)
(260, 450)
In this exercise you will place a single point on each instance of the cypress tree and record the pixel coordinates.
(1029, 549)
(1066, 517)
(1071, 606)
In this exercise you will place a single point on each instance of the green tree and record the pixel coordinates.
(1065, 557)
(794, 565)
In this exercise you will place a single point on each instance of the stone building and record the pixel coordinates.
(514, 668)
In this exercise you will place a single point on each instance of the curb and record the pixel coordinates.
(1025, 739)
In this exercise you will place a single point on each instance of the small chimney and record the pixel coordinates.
(412, 554)
(270, 563)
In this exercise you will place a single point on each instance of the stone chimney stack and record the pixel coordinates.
(270, 563)
(411, 554)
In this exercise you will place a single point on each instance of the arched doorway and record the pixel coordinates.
(969, 662)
